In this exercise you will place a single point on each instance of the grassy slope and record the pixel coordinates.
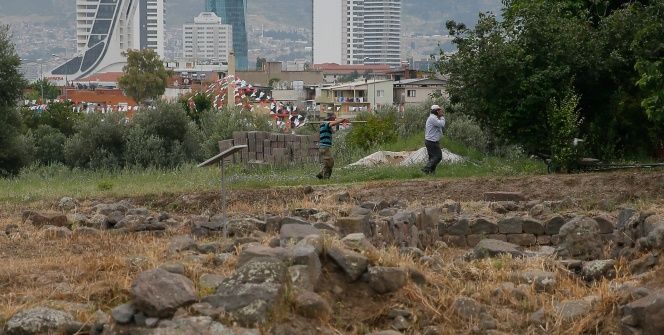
(44, 184)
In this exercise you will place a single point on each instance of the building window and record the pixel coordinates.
(412, 93)
(380, 93)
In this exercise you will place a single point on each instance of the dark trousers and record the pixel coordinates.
(435, 156)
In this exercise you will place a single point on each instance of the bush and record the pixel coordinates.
(563, 121)
(378, 130)
(162, 137)
(49, 145)
(57, 115)
(464, 129)
(217, 125)
(98, 137)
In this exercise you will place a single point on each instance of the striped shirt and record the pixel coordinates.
(325, 135)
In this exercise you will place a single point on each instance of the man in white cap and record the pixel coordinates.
(434, 131)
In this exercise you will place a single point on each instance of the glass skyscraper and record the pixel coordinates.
(234, 13)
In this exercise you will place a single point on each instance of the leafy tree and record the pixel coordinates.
(202, 102)
(12, 158)
(50, 91)
(563, 120)
(507, 72)
(144, 75)
(49, 144)
(98, 142)
(58, 115)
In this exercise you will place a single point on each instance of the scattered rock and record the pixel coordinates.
(460, 227)
(67, 204)
(644, 264)
(181, 243)
(252, 292)
(510, 225)
(160, 293)
(645, 315)
(210, 281)
(57, 232)
(468, 308)
(605, 223)
(533, 226)
(504, 196)
(540, 211)
(352, 263)
(358, 242)
(342, 197)
(400, 323)
(173, 267)
(570, 310)
(311, 305)
(198, 325)
(124, 313)
(483, 226)
(541, 280)
(553, 224)
(353, 224)
(41, 320)
(292, 233)
(595, 270)
(386, 279)
(260, 251)
(493, 248)
(86, 231)
(580, 239)
(524, 240)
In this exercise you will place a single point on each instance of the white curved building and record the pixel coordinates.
(107, 28)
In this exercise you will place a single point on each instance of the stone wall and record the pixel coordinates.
(272, 148)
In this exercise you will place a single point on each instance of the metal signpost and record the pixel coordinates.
(220, 158)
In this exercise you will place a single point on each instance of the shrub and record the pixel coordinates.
(378, 130)
(464, 129)
(412, 120)
(99, 136)
(563, 121)
(49, 145)
(143, 150)
(167, 121)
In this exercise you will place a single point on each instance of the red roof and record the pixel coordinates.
(100, 96)
(347, 69)
(105, 77)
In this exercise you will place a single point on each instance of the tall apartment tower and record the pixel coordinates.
(207, 39)
(357, 31)
(234, 13)
(107, 28)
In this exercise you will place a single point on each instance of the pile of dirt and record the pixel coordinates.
(405, 158)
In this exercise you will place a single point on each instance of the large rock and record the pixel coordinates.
(123, 313)
(311, 305)
(57, 232)
(533, 226)
(553, 224)
(352, 263)
(46, 219)
(260, 251)
(598, 269)
(605, 223)
(483, 226)
(41, 320)
(524, 240)
(67, 203)
(181, 243)
(510, 225)
(307, 256)
(292, 233)
(358, 242)
(252, 292)
(493, 248)
(570, 310)
(580, 239)
(645, 315)
(160, 293)
(353, 224)
(459, 227)
(386, 279)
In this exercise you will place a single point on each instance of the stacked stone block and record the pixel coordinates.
(272, 148)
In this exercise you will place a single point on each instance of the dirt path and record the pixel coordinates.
(590, 190)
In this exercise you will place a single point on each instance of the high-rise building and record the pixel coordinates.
(105, 29)
(357, 31)
(207, 39)
(234, 13)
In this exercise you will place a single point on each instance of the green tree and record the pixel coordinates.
(12, 158)
(144, 77)
(50, 91)
(202, 102)
(58, 115)
(506, 72)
